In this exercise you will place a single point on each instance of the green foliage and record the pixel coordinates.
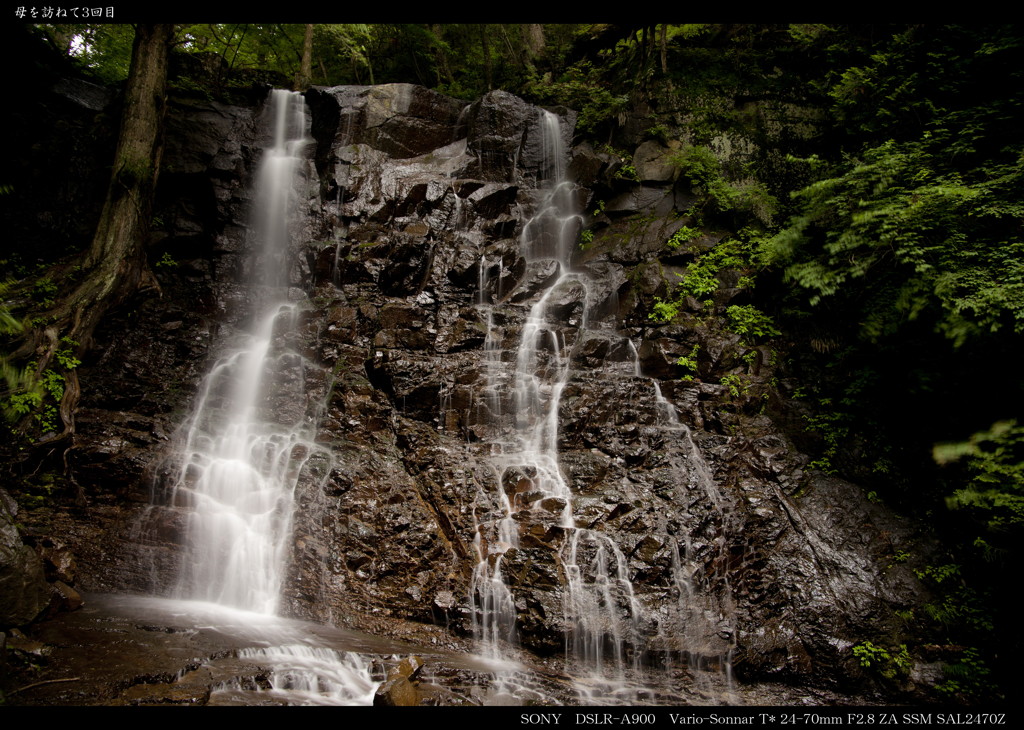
(166, 261)
(967, 678)
(958, 608)
(962, 609)
(20, 404)
(38, 397)
(833, 426)
(345, 46)
(9, 325)
(891, 664)
(683, 235)
(342, 53)
(913, 241)
(268, 47)
(733, 383)
(20, 389)
(584, 87)
(627, 172)
(663, 311)
(922, 221)
(939, 574)
(904, 257)
(65, 356)
(104, 49)
(44, 291)
(47, 415)
(993, 462)
(704, 170)
(701, 278)
(659, 132)
(689, 362)
(750, 323)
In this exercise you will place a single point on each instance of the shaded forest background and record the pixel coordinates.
(873, 213)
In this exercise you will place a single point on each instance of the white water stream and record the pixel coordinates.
(242, 459)
(526, 461)
(606, 623)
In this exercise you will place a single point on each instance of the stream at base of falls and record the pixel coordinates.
(137, 650)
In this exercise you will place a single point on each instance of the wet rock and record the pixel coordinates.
(497, 126)
(460, 330)
(588, 165)
(401, 120)
(17, 641)
(642, 198)
(493, 201)
(538, 277)
(65, 598)
(399, 689)
(532, 573)
(83, 93)
(207, 135)
(23, 589)
(653, 162)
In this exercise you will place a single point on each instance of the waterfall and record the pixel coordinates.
(600, 609)
(524, 455)
(245, 448)
(250, 445)
(607, 628)
(240, 467)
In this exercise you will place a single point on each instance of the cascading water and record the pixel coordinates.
(245, 448)
(240, 467)
(525, 454)
(607, 627)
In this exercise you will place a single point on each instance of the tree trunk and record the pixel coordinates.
(306, 65)
(115, 265)
(445, 71)
(117, 246)
(535, 39)
(486, 50)
(663, 47)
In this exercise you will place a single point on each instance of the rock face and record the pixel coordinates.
(23, 589)
(691, 537)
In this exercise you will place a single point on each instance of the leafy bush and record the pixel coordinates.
(993, 461)
(750, 323)
(689, 362)
(733, 383)
(700, 166)
(683, 235)
(663, 311)
(911, 239)
(45, 291)
(969, 677)
(888, 663)
(834, 428)
(581, 87)
(704, 170)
